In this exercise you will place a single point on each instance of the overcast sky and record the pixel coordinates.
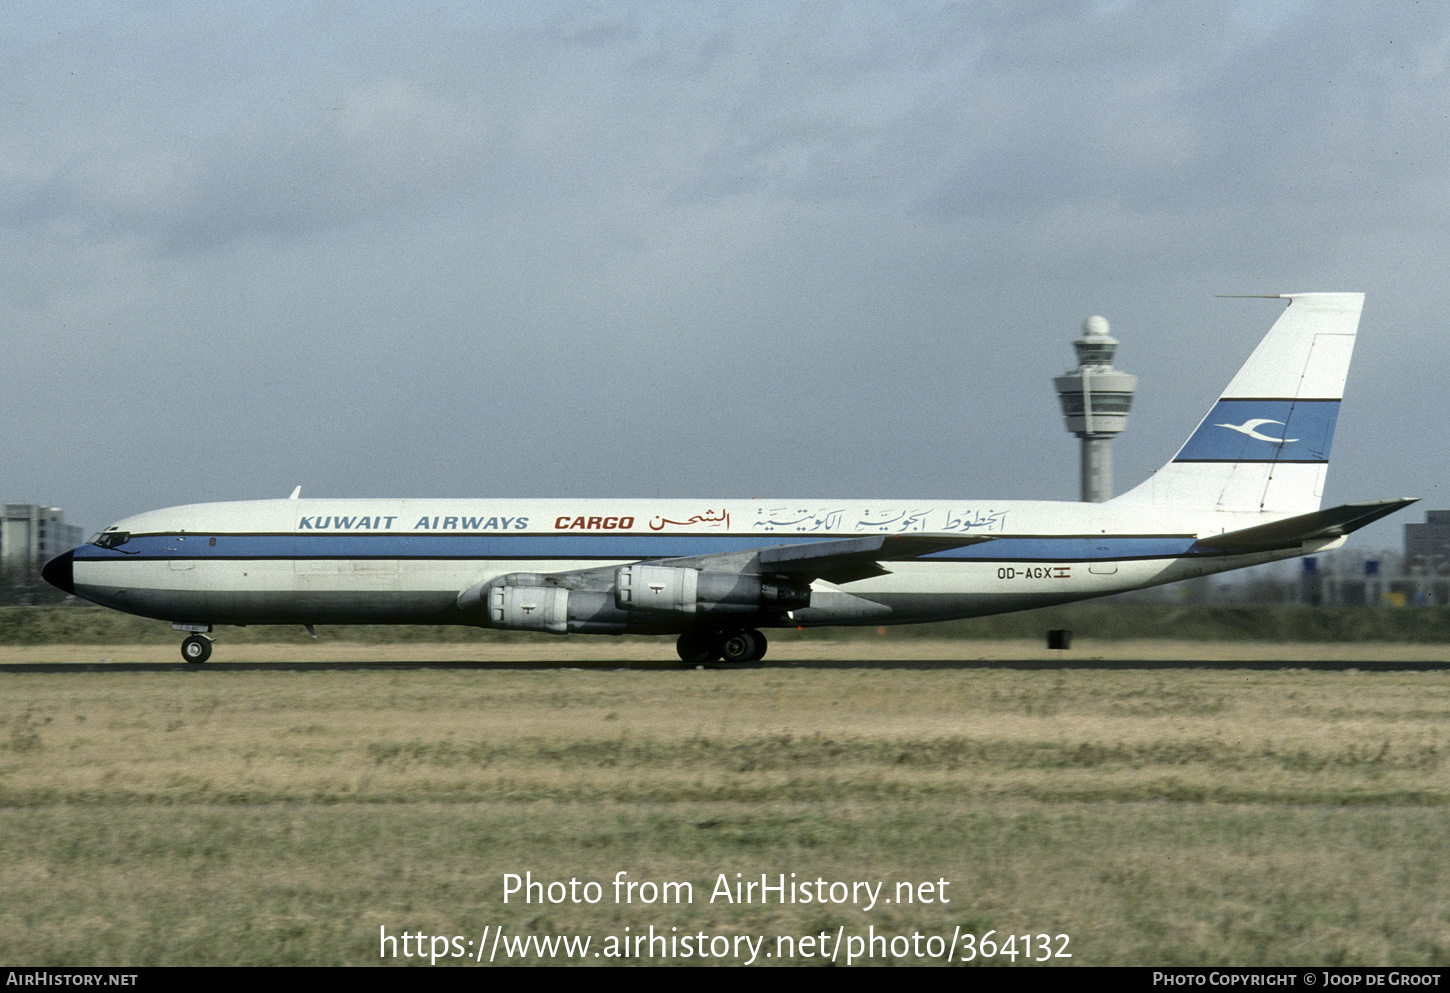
(696, 249)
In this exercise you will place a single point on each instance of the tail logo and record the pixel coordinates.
(1250, 428)
(1264, 429)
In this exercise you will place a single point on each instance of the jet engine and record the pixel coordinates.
(529, 601)
(672, 589)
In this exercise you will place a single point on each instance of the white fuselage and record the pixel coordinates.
(318, 561)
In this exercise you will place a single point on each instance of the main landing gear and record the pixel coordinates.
(732, 645)
(196, 649)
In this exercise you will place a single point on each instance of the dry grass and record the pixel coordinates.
(1196, 816)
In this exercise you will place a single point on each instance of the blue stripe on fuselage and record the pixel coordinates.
(613, 547)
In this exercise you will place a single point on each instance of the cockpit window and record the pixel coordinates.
(111, 539)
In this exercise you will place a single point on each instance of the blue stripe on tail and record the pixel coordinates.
(1264, 430)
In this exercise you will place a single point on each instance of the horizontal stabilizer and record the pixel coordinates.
(1317, 526)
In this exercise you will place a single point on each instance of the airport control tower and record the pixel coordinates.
(1095, 400)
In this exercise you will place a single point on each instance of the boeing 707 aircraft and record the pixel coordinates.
(1243, 490)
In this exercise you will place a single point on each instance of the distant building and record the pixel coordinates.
(1427, 546)
(30, 536)
(1427, 560)
(1355, 578)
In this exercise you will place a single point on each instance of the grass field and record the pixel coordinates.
(1197, 816)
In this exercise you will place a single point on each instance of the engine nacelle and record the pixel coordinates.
(529, 608)
(525, 601)
(672, 589)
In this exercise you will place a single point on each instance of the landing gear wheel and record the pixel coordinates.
(697, 647)
(760, 646)
(742, 646)
(196, 649)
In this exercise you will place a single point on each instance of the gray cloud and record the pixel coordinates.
(736, 248)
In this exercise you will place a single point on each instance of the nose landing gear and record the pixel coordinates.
(196, 649)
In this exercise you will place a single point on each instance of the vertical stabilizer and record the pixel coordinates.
(1264, 447)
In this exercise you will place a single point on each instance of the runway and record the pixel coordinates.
(1019, 665)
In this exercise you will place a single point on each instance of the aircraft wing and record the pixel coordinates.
(840, 560)
(1316, 526)
(737, 578)
(849, 559)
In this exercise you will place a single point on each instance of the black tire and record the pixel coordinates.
(697, 647)
(760, 646)
(741, 646)
(196, 649)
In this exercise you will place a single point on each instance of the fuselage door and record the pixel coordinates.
(1098, 546)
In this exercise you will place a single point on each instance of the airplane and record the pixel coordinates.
(714, 573)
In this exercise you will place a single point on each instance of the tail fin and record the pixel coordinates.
(1264, 447)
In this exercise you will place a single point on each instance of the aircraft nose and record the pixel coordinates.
(59, 572)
